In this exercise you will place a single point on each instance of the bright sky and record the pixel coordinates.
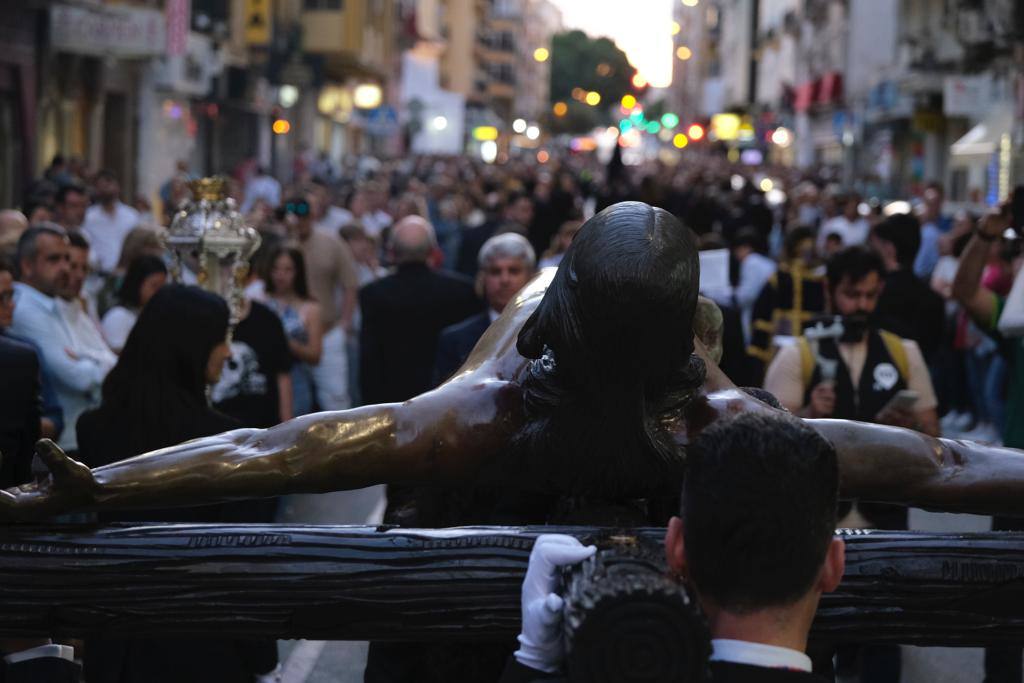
(641, 28)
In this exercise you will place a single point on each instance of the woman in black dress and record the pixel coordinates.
(155, 397)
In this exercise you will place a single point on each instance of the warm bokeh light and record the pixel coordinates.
(543, 156)
(766, 185)
(280, 127)
(676, 28)
(593, 98)
(367, 96)
(519, 125)
(691, 3)
(485, 133)
(680, 141)
(639, 81)
(782, 137)
(541, 54)
(628, 101)
(578, 94)
(560, 109)
(603, 69)
(695, 131)
(684, 53)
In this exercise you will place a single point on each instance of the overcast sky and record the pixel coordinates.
(641, 28)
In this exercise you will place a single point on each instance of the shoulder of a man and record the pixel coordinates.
(16, 354)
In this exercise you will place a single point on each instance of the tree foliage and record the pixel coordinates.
(591, 64)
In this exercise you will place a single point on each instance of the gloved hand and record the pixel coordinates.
(540, 643)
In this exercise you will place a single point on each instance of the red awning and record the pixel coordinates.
(806, 95)
(831, 91)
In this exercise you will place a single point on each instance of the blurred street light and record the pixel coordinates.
(560, 109)
(440, 123)
(367, 96)
(695, 131)
(485, 133)
(541, 54)
(628, 101)
(669, 119)
(680, 141)
(593, 98)
(519, 126)
(684, 53)
(691, 3)
(489, 151)
(543, 156)
(533, 132)
(639, 81)
(287, 95)
(281, 127)
(676, 28)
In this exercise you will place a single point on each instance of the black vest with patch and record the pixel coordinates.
(879, 381)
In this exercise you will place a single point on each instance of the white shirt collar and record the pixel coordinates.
(758, 654)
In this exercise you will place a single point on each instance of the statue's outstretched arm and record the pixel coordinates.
(894, 465)
(425, 439)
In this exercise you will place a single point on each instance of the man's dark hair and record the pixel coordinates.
(758, 509)
(65, 190)
(749, 237)
(77, 240)
(855, 263)
(794, 238)
(28, 243)
(106, 174)
(903, 231)
(5, 266)
(612, 341)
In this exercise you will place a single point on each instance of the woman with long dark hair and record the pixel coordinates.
(155, 397)
(145, 276)
(288, 296)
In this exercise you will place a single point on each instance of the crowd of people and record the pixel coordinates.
(374, 283)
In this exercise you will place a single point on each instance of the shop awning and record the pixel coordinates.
(984, 138)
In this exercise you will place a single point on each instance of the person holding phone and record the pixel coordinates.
(863, 373)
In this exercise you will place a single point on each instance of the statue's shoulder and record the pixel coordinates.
(495, 353)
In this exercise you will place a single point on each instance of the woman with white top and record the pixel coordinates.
(146, 275)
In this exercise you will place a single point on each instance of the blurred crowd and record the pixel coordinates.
(375, 279)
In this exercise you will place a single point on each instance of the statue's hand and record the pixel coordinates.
(69, 485)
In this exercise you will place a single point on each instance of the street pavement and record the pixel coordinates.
(308, 661)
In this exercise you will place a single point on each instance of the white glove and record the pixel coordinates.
(540, 643)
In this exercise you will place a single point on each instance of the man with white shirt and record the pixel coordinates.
(76, 365)
(851, 227)
(107, 222)
(755, 270)
(754, 538)
(261, 187)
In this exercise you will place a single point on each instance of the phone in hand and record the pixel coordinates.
(903, 401)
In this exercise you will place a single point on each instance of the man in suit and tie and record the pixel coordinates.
(403, 314)
(507, 262)
(755, 539)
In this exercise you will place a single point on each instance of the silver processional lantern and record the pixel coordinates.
(209, 237)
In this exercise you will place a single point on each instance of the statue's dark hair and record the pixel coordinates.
(612, 341)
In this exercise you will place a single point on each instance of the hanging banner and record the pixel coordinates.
(257, 22)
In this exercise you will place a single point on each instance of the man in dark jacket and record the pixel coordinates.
(403, 315)
(507, 263)
(760, 491)
(907, 307)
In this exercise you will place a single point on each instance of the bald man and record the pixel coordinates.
(404, 313)
(12, 224)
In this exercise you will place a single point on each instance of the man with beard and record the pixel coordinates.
(866, 374)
